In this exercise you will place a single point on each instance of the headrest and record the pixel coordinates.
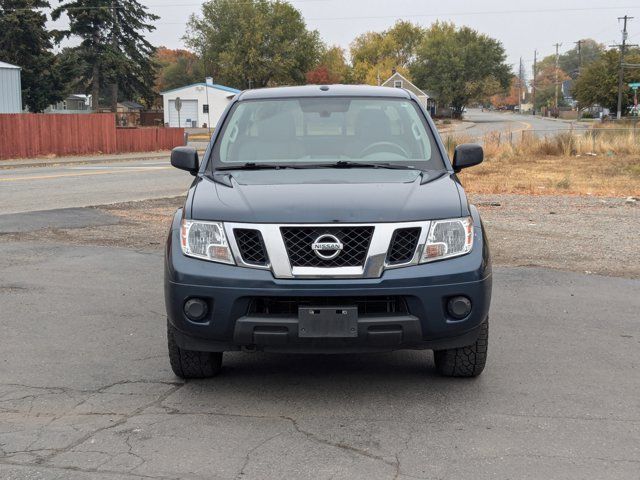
(281, 126)
(372, 123)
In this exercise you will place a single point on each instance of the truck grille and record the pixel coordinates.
(251, 246)
(403, 245)
(355, 241)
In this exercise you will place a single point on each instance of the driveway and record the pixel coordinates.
(86, 390)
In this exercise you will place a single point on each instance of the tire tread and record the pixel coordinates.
(466, 361)
(191, 363)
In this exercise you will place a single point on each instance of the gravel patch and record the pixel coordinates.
(582, 234)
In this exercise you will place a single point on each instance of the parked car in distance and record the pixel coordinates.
(327, 219)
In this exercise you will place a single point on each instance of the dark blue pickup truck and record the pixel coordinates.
(327, 219)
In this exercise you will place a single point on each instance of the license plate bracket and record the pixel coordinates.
(327, 322)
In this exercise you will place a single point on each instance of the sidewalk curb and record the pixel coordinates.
(53, 162)
(466, 126)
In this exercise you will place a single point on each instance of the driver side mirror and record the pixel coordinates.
(185, 158)
(467, 155)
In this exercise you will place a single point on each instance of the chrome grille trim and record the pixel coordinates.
(278, 260)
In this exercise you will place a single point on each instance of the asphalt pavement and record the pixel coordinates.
(27, 189)
(86, 391)
(486, 122)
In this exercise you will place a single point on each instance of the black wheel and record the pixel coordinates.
(466, 361)
(191, 363)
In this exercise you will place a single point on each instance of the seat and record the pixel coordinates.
(371, 126)
(275, 139)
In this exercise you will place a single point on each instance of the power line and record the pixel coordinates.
(163, 5)
(369, 17)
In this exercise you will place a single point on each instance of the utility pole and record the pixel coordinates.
(520, 80)
(623, 46)
(555, 104)
(533, 82)
(114, 43)
(579, 44)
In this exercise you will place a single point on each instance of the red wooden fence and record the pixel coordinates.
(148, 139)
(26, 135)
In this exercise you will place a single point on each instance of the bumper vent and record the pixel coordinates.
(403, 245)
(251, 246)
(355, 241)
(366, 305)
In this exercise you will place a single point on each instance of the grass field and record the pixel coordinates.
(602, 162)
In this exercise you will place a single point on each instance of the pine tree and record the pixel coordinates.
(113, 48)
(25, 42)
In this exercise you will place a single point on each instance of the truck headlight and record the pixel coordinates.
(448, 238)
(205, 240)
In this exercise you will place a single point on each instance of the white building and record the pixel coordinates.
(202, 104)
(397, 80)
(10, 89)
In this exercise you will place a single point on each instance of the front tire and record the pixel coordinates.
(191, 363)
(466, 361)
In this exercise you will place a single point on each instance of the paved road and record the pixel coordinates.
(86, 391)
(48, 188)
(505, 122)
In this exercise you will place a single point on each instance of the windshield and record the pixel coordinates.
(310, 131)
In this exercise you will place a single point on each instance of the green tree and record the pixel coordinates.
(253, 43)
(545, 83)
(375, 54)
(461, 66)
(332, 68)
(598, 83)
(25, 42)
(113, 49)
(177, 68)
(571, 60)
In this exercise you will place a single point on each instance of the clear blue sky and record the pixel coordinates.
(521, 26)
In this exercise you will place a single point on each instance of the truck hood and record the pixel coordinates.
(326, 196)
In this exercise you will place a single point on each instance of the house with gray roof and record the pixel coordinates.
(397, 80)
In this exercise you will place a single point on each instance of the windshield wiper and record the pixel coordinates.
(339, 164)
(252, 166)
(354, 164)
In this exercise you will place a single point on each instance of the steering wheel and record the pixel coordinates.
(388, 147)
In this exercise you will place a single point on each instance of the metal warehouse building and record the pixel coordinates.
(10, 89)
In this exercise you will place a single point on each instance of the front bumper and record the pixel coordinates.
(230, 292)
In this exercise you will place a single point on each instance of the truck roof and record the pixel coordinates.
(324, 91)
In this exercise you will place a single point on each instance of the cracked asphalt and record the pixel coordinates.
(86, 391)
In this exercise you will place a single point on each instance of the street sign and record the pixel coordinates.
(178, 105)
(634, 86)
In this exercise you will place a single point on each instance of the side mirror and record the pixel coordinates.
(467, 155)
(185, 158)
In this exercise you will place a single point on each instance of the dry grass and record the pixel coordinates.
(603, 162)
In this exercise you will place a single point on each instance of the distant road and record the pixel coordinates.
(77, 185)
(505, 122)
